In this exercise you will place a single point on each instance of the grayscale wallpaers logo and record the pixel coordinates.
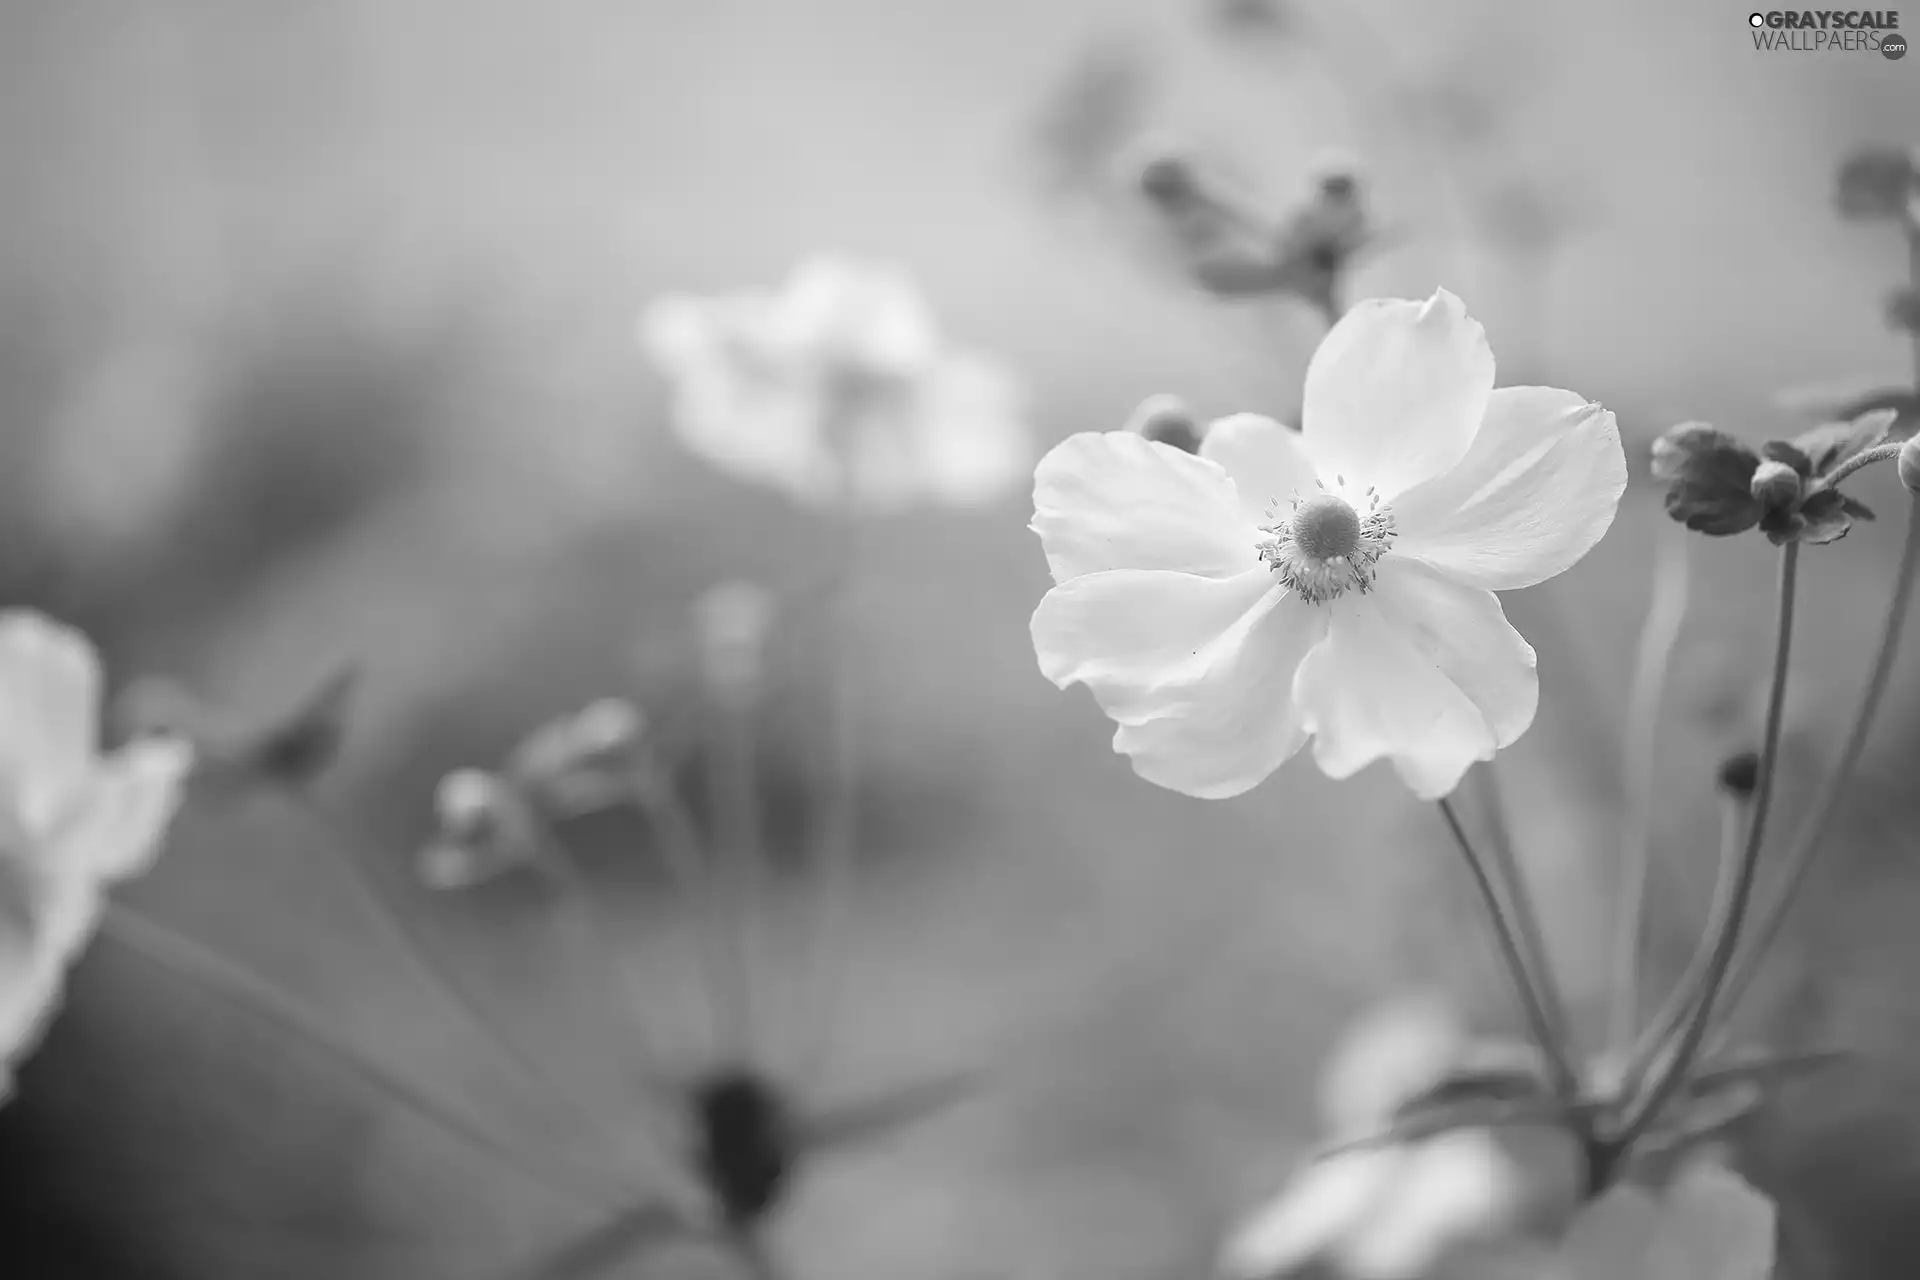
(1829, 31)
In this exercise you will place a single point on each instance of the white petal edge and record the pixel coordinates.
(1268, 465)
(1537, 490)
(49, 710)
(1392, 1053)
(1112, 500)
(1464, 633)
(121, 814)
(1236, 723)
(1312, 1215)
(1366, 694)
(1143, 640)
(1396, 392)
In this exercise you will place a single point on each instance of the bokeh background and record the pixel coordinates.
(316, 343)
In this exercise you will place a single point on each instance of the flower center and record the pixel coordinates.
(1324, 545)
(747, 1148)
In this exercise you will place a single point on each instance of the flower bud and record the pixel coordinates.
(580, 763)
(1909, 464)
(1167, 177)
(1740, 774)
(1877, 182)
(486, 829)
(1167, 420)
(1775, 485)
(1903, 310)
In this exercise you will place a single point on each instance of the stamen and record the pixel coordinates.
(1324, 547)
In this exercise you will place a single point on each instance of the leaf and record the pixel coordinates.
(1708, 474)
(1824, 518)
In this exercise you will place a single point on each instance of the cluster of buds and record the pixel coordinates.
(1789, 489)
(1235, 249)
(491, 822)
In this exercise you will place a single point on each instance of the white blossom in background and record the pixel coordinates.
(72, 821)
(1501, 1203)
(839, 389)
(1336, 584)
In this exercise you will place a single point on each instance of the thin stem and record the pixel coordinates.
(166, 948)
(625, 1237)
(1658, 636)
(733, 762)
(1566, 1082)
(529, 1071)
(1657, 1094)
(1866, 458)
(659, 802)
(1813, 831)
(836, 840)
(1519, 905)
(1649, 1054)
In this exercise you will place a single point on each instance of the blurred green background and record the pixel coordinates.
(316, 342)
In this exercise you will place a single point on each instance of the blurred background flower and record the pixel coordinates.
(316, 342)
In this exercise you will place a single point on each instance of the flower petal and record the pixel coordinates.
(1313, 1214)
(1535, 492)
(971, 430)
(1713, 1226)
(1112, 500)
(1464, 634)
(1454, 1188)
(1236, 722)
(121, 813)
(43, 924)
(49, 709)
(1391, 1055)
(1368, 693)
(1142, 639)
(864, 314)
(1396, 391)
(1265, 460)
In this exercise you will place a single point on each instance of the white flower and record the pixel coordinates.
(1392, 1211)
(1509, 1201)
(72, 822)
(1334, 585)
(838, 389)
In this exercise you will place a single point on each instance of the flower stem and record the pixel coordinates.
(1650, 1052)
(529, 1071)
(1658, 636)
(733, 761)
(837, 835)
(1566, 1082)
(168, 949)
(659, 802)
(1813, 832)
(1866, 458)
(1528, 934)
(1656, 1095)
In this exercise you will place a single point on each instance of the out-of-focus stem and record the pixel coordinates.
(673, 827)
(734, 767)
(1652, 1047)
(1566, 1081)
(530, 1071)
(1646, 1109)
(1530, 937)
(837, 833)
(1658, 636)
(176, 953)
